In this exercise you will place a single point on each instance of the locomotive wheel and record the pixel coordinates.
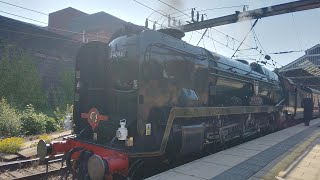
(136, 171)
(274, 123)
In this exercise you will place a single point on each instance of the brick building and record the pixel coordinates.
(60, 20)
(84, 27)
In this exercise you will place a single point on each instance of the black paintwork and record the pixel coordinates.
(140, 77)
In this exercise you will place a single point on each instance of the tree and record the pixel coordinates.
(20, 79)
(63, 94)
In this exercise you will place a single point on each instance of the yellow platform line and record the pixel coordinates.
(282, 165)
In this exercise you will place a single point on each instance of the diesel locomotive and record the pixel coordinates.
(149, 94)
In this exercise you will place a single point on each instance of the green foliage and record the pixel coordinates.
(11, 145)
(63, 94)
(21, 86)
(52, 125)
(9, 120)
(67, 85)
(20, 79)
(47, 138)
(37, 123)
(60, 114)
(28, 122)
(32, 122)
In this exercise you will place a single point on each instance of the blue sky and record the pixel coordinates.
(293, 31)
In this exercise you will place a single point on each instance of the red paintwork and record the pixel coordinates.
(93, 117)
(118, 162)
(60, 146)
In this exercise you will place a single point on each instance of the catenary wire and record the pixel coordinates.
(102, 36)
(24, 8)
(212, 40)
(72, 32)
(190, 16)
(149, 7)
(39, 35)
(94, 35)
(23, 17)
(254, 24)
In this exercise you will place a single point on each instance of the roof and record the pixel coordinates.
(68, 10)
(93, 22)
(306, 69)
(312, 54)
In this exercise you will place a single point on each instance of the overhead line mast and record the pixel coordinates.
(253, 14)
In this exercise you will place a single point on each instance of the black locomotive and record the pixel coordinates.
(150, 94)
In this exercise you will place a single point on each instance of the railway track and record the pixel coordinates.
(32, 169)
(35, 169)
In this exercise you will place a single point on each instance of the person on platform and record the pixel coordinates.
(307, 104)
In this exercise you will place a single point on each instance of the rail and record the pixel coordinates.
(32, 168)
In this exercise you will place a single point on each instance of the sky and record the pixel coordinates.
(297, 31)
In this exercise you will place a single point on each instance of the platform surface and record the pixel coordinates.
(292, 153)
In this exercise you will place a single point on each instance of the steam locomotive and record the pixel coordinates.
(149, 94)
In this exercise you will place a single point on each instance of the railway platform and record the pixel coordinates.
(292, 153)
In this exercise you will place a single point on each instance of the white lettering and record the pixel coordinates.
(117, 54)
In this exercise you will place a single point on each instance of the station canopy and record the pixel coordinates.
(305, 70)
